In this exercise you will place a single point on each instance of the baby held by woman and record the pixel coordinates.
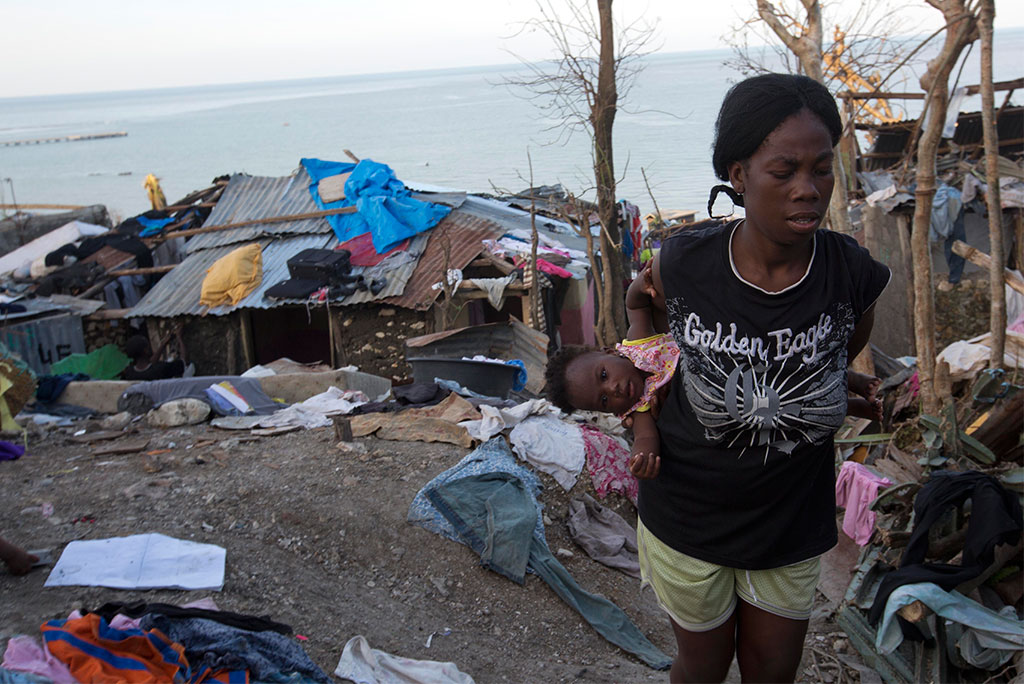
(633, 378)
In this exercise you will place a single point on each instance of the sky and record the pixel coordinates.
(71, 46)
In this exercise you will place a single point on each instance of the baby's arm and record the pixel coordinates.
(645, 460)
(645, 307)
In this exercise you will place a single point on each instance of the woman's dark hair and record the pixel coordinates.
(556, 374)
(753, 108)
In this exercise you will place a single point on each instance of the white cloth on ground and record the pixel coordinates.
(552, 446)
(497, 419)
(364, 665)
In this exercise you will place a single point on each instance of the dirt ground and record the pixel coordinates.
(317, 539)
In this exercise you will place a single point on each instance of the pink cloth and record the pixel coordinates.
(549, 268)
(607, 462)
(25, 654)
(856, 488)
(658, 355)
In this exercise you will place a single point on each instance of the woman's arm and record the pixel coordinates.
(861, 335)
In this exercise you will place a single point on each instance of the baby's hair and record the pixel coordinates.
(556, 374)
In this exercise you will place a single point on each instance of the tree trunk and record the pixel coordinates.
(997, 317)
(602, 119)
(960, 29)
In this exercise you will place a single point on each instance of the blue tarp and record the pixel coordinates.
(385, 207)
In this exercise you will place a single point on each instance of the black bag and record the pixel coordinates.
(294, 288)
(327, 266)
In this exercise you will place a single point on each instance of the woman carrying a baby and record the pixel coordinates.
(737, 503)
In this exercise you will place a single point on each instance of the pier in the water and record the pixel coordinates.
(63, 138)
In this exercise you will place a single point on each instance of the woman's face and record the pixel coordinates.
(787, 183)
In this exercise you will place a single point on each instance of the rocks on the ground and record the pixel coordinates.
(118, 421)
(564, 553)
(179, 412)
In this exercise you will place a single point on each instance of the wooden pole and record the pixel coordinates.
(997, 311)
(256, 222)
(149, 270)
(979, 258)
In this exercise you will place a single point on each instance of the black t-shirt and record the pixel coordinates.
(747, 470)
(161, 370)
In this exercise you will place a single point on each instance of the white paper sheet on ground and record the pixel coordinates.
(295, 416)
(497, 419)
(552, 446)
(141, 561)
(364, 665)
(335, 401)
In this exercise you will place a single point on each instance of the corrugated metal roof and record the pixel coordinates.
(256, 197)
(177, 293)
(509, 218)
(455, 240)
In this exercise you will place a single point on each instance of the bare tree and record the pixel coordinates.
(596, 65)
(997, 315)
(961, 30)
(861, 38)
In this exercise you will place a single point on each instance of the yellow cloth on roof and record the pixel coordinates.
(233, 277)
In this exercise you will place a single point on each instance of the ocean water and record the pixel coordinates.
(458, 128)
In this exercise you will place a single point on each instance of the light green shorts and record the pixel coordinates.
(700, 596)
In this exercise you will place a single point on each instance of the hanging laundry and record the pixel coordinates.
(233, 277)
(857, 486)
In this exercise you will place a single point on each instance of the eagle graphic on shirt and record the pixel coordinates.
(774, 391)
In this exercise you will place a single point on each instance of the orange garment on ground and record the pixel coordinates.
(96, 652)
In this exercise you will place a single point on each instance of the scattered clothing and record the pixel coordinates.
(216, 646)
(996, 518)
(604, 535)
(233, 277)
(552, 446)
(608, 464)
(111, 610)
(10, 451)
(990, 640)
(12, 677)
(96, 652)
(489, 502)
(494, 419)
(856, 489)
(25, 654)
(52, 386)
(364, 665)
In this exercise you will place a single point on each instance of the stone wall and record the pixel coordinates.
(373, 338)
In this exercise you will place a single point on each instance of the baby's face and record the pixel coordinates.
(603, 381)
